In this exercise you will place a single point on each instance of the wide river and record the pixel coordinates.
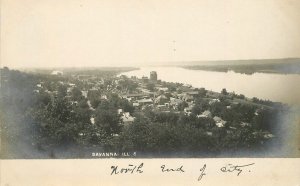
(275, 87)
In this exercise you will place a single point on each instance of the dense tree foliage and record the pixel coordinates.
(45, 111)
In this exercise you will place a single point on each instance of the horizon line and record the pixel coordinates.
(164, 63)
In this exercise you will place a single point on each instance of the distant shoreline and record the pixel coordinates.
(290, 67)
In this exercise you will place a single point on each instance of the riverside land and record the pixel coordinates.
(101, 110)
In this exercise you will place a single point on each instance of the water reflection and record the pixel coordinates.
(275, 87)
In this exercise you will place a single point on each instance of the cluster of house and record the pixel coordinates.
(158, 100)
(143, 98)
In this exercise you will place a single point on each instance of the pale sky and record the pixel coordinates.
(77, 33)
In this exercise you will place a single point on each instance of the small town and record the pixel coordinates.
(145, 93)
(149, 92)
(110, 111)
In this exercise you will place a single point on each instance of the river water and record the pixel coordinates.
(283, 88)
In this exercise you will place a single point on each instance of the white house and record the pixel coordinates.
(92, 120)
(213, 101)
(56, 72)
(145, 101)
(84, 93)
(219, 121)
(205, 114)
(127, 118)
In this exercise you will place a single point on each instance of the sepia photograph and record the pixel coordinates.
(149, 79)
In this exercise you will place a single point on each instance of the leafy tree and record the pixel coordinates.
(82, 113)
(42, 99)
(56, 122)
(150, 86)
(266, 120)
(162, 117)
(128, 85)
(200, 106)
(202, 92)
(94, 97)
(126, 106)
(241, 96)
(217, 108)
(76, 94)
(62, 91)
(107, 119)
(182, 105)
(224, 91)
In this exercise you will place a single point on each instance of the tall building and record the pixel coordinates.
(153, 76)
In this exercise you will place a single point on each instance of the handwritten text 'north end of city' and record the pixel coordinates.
(139, 169)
